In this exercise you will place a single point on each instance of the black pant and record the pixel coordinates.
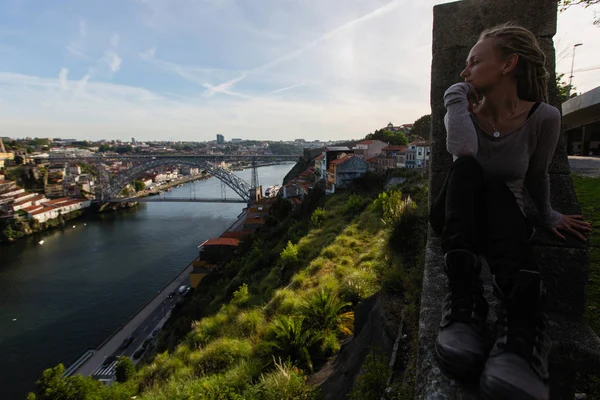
(480, 214)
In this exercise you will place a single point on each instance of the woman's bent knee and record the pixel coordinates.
(467, 164)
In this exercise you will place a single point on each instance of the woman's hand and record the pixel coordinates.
(473, 97)
(573, 224)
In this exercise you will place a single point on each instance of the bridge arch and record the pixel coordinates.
(113, 186)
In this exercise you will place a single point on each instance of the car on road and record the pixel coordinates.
(171, 295)
(187, 292)
(109, 360)
(127, 342)
(138, 353)
(146, 342)
(155, 332)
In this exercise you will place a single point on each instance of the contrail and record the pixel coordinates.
(373, 14)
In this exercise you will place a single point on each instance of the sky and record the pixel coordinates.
(253, 69)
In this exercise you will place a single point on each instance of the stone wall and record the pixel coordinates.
(564, 266)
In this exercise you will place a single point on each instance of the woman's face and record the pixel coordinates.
(484, 68)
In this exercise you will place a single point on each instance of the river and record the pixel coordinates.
(66, 296)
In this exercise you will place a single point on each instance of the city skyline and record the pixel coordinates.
(156, 70)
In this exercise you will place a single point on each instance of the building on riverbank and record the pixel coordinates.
(55, 208)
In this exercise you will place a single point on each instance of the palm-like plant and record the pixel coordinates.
(293, 340)
(325, 310)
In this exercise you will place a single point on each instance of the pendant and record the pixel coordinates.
(496, 134)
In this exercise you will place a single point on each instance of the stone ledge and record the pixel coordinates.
(575, 346)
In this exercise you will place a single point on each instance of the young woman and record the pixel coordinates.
(502, 135)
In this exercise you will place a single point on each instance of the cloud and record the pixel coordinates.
(111, 58)
(62, 78)
(76, 46)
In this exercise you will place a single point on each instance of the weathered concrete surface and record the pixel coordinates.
(564, 264)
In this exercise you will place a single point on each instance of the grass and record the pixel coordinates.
(588, 193)
(289, 292)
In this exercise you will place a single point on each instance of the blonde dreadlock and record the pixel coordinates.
(530, 72)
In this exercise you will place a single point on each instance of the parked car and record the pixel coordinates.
(127, 342)
(109, 360)
(171, 295)
(138, 353)
(146, 342)
(155, 332)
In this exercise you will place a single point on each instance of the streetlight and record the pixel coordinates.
(572, 64)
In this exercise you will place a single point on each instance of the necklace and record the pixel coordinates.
(496, 132)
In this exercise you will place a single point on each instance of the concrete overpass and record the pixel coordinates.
(581, 121)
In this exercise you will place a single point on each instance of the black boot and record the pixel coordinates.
(460, 346)
(517, 367)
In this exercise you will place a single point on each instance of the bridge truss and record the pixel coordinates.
(110, 185)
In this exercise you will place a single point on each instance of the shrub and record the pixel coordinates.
(317, 218)
(372, 382)
(285, 383)
(409, 234)
(354, 204)
(250, 322)
(324, 310)
(289, 255)
(292, 340)
(124, 369)
(219, 355)
(241, 296)
(159, 371)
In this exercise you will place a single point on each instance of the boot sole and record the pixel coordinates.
(509, 392)
(458, 370)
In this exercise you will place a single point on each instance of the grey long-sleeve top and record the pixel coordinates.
(520, 158)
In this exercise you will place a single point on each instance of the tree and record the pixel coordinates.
(563, 89)
(139, 185)
(124, 369)
(18, 159)
(565, 4)
(391, 137)
(421, 127)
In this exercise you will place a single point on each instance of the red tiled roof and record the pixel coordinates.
(295, 200)
(341, 160)
(221, 242)
(30, 209)
(418, 144)
(394, 148)
(34, 198)
(366, 142)
(372, 160)
(4, 181)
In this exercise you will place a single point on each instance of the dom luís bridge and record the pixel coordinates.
(109, 185)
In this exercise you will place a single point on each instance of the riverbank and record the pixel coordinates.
(141, 326)
(17, 228)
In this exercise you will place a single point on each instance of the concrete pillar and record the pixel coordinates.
(584, 148)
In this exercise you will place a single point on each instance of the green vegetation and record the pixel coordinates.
(421, 128)
(588, 193)
(387, 136)
(282, 306)
(139, 185)
(125, 369)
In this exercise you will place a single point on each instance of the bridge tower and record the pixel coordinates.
(254, 182)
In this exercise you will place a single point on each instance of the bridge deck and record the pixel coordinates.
(157, 199)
